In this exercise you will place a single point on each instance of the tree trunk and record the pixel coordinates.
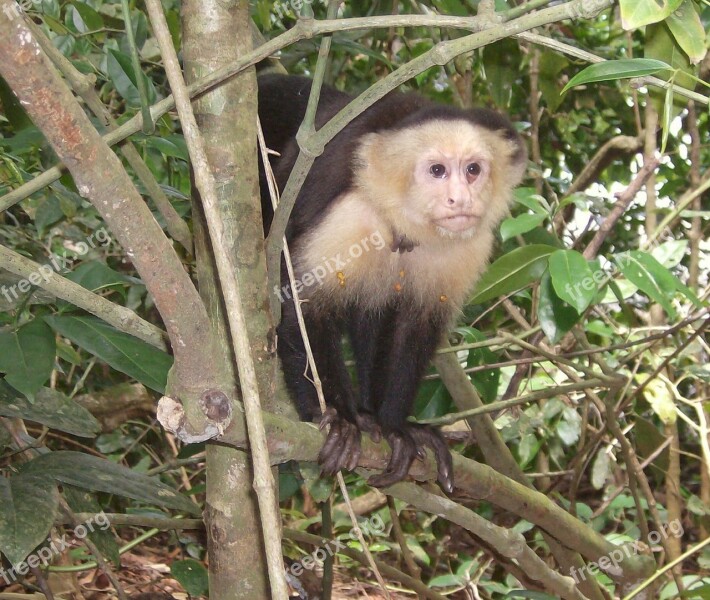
(212, 37)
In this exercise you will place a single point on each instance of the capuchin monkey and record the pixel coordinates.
(390, 231)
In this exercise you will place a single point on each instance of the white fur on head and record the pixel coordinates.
(398, 171)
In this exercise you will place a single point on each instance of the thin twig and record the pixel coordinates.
(624, 200)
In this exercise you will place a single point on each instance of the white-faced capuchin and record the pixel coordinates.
(392, 228)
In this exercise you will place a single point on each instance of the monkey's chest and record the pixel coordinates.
(349, 258)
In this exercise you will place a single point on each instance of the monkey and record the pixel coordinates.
(393, 226)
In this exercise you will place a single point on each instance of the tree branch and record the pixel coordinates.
(291, 440)
(101, 178)
(122, 318)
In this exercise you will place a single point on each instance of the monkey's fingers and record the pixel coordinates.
(327, 418)
(331, 452)
(404, 451)
(426, 436)
(341, 449)
(367, 423)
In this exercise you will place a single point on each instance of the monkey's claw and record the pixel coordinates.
(341, 449)
(409, 444)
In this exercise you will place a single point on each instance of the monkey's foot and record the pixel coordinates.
(367, 423)
(409, 444)
(341, 449)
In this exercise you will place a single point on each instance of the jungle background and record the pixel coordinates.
(579, 368)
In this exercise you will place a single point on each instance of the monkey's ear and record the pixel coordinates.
(518, 162)
(371, 151)
(514, 157)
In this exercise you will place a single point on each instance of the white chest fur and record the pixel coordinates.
(349, 257)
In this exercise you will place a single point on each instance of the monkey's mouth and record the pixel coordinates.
(458, 223)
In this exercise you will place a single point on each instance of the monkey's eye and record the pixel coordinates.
(473, 170)
(437, 170)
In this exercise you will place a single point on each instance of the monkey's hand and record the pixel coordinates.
(341, 449)
(409, 444)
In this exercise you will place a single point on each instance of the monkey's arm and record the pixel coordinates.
(341, 449)
(414, 340)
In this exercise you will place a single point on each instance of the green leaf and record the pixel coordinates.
(551, 65)
(556, 317)
(120, 71)
(670, 253)
(659, 395)
(501, 61)
(173, 145)
(444, 581)
(699, 591)
(648, 439)
(654, 279)
(552, 408)
(27, 356)
(29, 507)
(321, 488)
(638, 274)
(700, 371)
(433, 400)
(122, 351)
(48, 213)
(86, 18)
(697, 507)
(289, 484)
(13, 111)
(512, 272)
(687, 29)
(569, 427)
(81, 501)
(53, 409)
(487, 381)
(600, 468)
(262, 15)
(96, 276)
(509, 228)
(356, 48)
(451, 7)
(528, 448)
(572, 279)
(616, 69)
(93, 473)
(662, 45)
(637, 13)
(529, 198)
(192, 575)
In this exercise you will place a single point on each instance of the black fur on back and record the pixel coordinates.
(282, 106)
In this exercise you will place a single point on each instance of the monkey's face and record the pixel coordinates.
(446, 190)
(442, 178)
